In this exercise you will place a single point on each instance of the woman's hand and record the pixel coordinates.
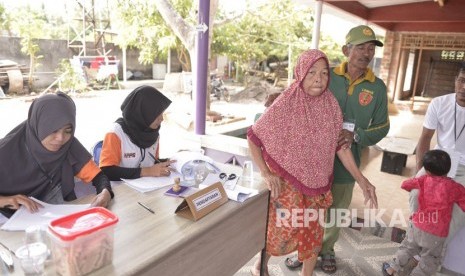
(159, 169)
(14, 202)
(102, 199)
(274, 184)
(369, 192)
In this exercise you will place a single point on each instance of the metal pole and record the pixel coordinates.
(202, 66)
(168, 62)
(289, 65)
(317, 24)
(125, 75)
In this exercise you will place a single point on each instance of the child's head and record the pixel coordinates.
(437, 162)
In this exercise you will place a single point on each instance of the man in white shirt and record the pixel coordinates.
(446, 116)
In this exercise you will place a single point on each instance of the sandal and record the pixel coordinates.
(256, 272)
(293, 262)
(384, 269)
(328, 263)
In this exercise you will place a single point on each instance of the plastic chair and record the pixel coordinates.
(96, 149)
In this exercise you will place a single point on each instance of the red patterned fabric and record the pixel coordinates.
(298, 133)
(308, 237)
(436, 198)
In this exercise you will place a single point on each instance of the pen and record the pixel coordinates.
(154, 158)
(7, 256)
(146, 207)
(7, 259)
(7, 248)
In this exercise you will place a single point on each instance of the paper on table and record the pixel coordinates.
(147, 184)
(22, 218)
(237, 193)
(240, 193)
(212, 178)
(3, 219)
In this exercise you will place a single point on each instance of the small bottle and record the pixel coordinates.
(177, 187)
(247, 172)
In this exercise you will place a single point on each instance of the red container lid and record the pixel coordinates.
(82, 223)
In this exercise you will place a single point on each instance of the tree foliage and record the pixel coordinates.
(31, 24)
(141, 26)
(267, 31)
(263, 32)
(260, 33)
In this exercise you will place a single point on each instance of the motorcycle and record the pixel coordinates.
(218, 89)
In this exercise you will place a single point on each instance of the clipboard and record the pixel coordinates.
(203, 202)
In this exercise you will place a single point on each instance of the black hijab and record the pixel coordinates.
(140, 108)
(27, 167)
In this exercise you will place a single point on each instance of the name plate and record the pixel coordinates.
(199, 204)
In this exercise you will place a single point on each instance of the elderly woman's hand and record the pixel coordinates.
(14, 202)
(346, 138)
(369, 193)
(102, 199)
(274, 184)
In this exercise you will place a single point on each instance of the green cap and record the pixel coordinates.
(362, 34)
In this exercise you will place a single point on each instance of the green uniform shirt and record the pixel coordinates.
(365, 101)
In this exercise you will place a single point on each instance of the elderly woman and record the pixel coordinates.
(41, 157)
(130, 148)
(294, 144)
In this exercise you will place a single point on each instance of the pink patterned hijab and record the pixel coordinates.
(298, 133)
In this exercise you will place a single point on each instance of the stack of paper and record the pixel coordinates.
(22, 218)
(147, 184)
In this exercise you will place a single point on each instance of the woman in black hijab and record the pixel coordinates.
(130, 148)
(40, 158)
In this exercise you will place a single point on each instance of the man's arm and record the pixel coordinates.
(424, 144)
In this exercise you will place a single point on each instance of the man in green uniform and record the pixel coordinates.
(363, 100)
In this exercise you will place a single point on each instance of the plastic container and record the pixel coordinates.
(83, 241)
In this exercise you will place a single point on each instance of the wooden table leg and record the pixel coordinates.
(263, 253)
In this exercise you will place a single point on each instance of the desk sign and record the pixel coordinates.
(199, 204)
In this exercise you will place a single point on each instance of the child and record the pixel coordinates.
(430, 223)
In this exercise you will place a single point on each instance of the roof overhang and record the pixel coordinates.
(408, 15)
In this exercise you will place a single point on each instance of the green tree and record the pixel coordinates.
(30, 26)
(169, 23)
(271, 30)
(261, 32)
(5, 20)
(141, 25)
